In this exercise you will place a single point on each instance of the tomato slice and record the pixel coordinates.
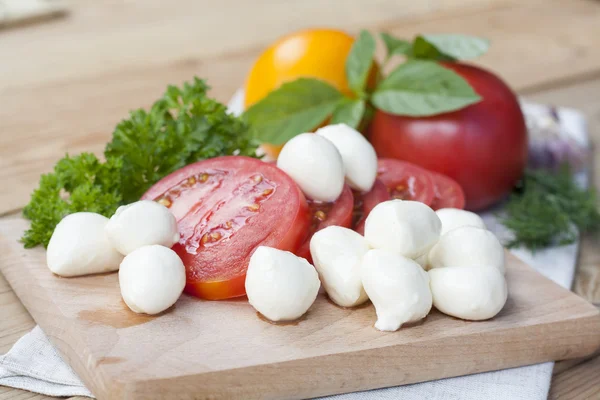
(225, 208)
(364, 202)
(405, 181)
(447, 192)
(324, 214)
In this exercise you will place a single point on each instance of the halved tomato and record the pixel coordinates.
(447, 193)
(225, 208)
(324, 214)
(365, 202)
(405, 181)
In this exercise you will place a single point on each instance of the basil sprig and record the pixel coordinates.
(418, 87)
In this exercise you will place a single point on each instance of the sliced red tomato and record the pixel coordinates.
(324, 214)
(365, 202)
(405, 181)
(447, 192)
(225, 208)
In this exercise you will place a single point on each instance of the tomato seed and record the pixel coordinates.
(165, 202)
(320, 215)
(257, 178)
(254, 207)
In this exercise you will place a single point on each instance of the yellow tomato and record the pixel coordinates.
(316, 53)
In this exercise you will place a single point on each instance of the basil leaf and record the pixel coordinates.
(394, 45)
(459, 47)
(423, 50)
(295, 107)
(349, 112)
(422, 88)
(359, 61)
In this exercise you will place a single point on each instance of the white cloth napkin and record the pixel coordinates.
(33, 364)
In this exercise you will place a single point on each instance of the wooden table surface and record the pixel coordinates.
(64, 84)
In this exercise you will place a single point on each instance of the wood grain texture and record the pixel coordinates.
(18, 12)
(188, 350)
(579, 382)
(124, 35)
(91, 48)
(73, 102)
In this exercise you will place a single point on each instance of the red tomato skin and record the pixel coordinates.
(483, 146)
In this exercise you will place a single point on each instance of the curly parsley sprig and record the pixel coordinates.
(182, 127)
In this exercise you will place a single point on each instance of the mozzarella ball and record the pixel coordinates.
(358, 155)
(79, 246)
(408, 228)
(337, 254)
(465, 247)
(398, 288)
(315, 165)
(423, 261)
(473, 293)
(279, 285)
(151, 278)
(140, 224)
(453, 218)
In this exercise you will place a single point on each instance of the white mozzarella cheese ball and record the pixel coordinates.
(453, 218)
(280, 285)
(151, 278)
(398, 288)
(472, 293)
(315, 165)
(337, 254)
(467, 246)
(408, 228)
(79, 246)
(140, 224)
(423, 261)
(358, 155)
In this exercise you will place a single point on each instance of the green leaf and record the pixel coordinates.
(349, 112)
(395, 46)
(548, 209)
(423, 50)
(459, 47)
(423, 88)
(359, 62)
(295, 107)
(182, 127)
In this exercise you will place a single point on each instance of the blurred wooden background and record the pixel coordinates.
(66, 82)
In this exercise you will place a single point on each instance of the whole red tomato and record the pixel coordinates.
(483, 146)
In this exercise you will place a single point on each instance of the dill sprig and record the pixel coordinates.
(550, 209)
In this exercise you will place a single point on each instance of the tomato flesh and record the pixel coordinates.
(405, 181)
(324, 214)
(225, 208)
(447, 192)
(364, 202)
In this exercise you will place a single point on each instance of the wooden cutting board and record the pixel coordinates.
(216, 350)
